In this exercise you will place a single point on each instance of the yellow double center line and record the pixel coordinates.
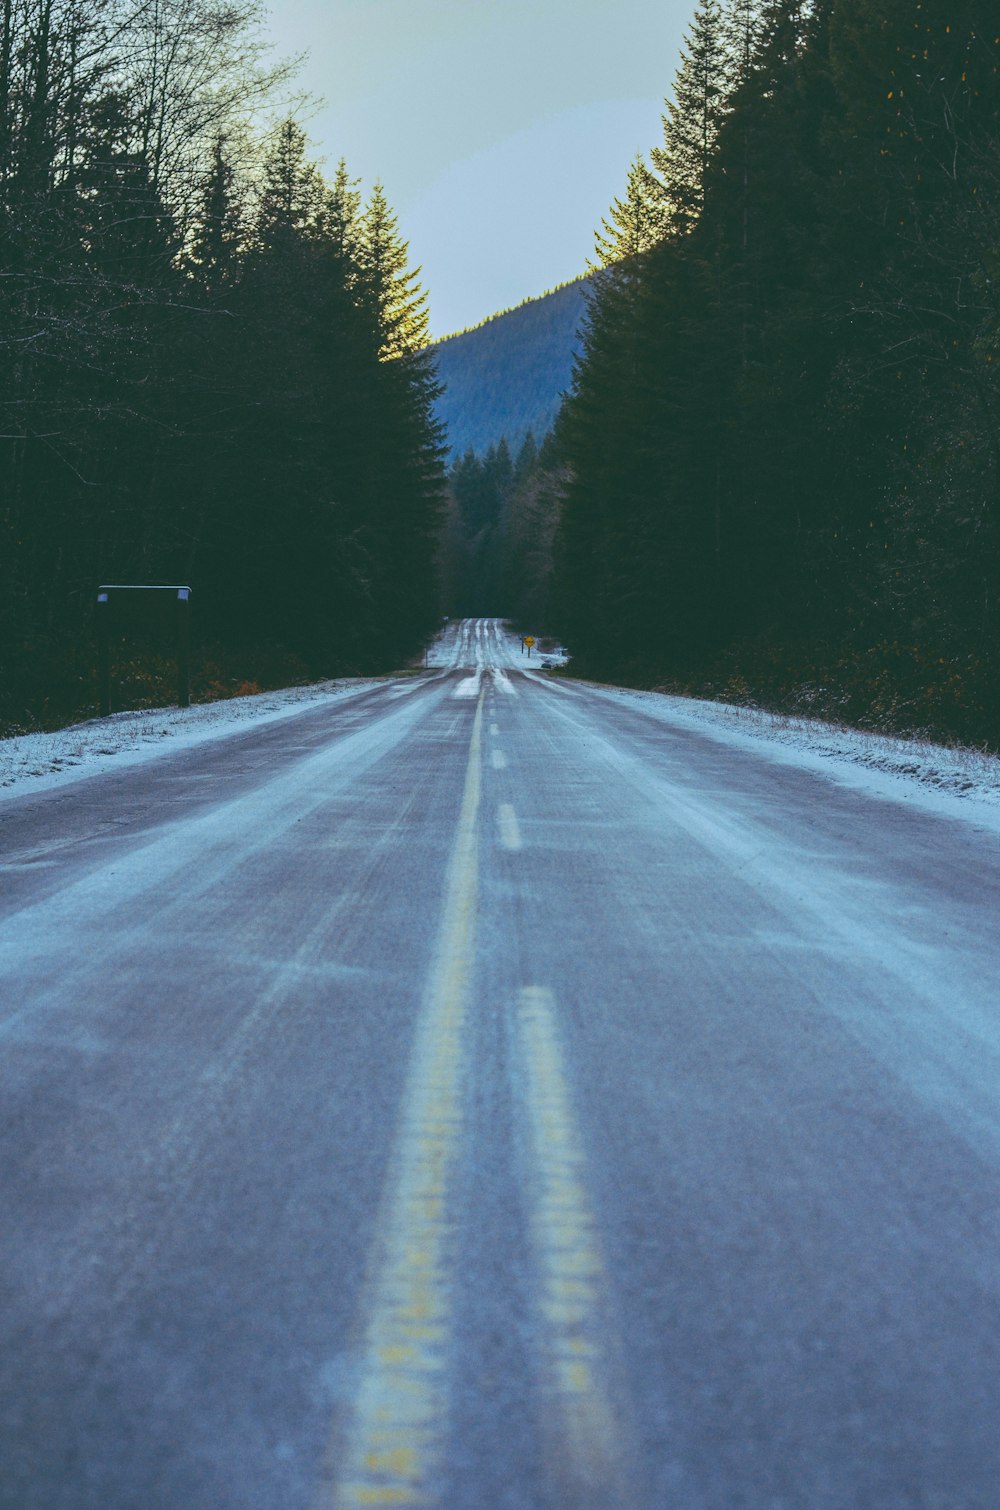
(392, 1449)
(394, 1443)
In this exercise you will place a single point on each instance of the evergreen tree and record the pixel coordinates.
(694, 114)
(741, 31)
(218, 232)
(341, 215)
(292, 190)
(634, 225)
(390, 289)
(527, 458)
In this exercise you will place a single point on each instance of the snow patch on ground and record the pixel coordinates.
(37, 762)
(948, 778)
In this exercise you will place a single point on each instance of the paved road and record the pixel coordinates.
(479, 1094)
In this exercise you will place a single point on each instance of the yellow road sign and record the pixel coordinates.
(529, 640)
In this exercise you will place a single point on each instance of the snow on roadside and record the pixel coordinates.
(944, 778)
(37, 762)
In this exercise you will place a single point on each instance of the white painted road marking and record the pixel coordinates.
(589, 1453)
(498, 760)
(510, 832)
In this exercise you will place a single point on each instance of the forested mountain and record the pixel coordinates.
(506, 378)
(783, 445)
(212, 360)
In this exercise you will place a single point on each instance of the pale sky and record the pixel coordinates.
(501, 131)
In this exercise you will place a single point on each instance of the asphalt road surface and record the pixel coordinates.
(480, 1094)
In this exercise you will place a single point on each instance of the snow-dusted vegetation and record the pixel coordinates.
(965, 780)
(36, 761)
(881, 763)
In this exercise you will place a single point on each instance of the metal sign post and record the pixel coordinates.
(104, 652)
(184, 647)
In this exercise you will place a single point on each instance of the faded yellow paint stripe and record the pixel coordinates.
(585, 1418)
(389, 1450)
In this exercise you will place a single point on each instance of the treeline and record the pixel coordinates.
(784, 438)
(213, 367)
(499, 534)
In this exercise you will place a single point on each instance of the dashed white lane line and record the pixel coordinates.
(586, 1419)
(392, 1443)
(510, 832)
(498, 760)
(494, 731)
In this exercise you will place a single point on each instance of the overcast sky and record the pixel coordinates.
(501, 129)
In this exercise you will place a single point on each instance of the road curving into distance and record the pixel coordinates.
(481, 1094)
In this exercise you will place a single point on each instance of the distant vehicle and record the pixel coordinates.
(546, 665)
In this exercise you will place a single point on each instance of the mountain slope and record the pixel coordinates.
(508, 375)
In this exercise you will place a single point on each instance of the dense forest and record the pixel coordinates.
(497, 556)
(776, 476)
(214, 366)
(782, 450)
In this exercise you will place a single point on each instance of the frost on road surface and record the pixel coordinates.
(883, 764)
(476, 1088)
(474, 644)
